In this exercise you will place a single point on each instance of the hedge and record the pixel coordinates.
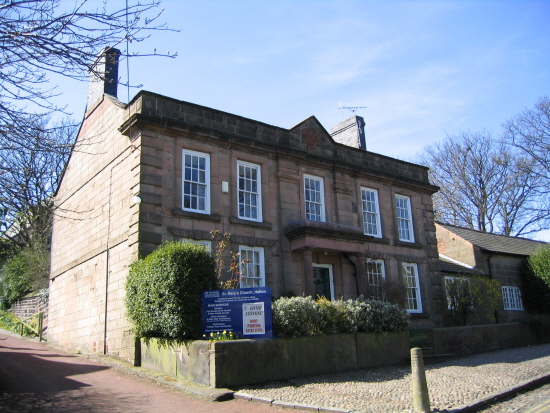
(163, 291)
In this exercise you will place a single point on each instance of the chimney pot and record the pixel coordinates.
(350, 132)
(103, 76)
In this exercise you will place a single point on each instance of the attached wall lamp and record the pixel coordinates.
(136, 199)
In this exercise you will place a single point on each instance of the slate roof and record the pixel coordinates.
(495, 243)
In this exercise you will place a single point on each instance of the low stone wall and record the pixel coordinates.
(478, 339)
(29, 305)
(241, 362)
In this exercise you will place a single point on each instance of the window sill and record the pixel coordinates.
(419, 315)
(379, 240)
(263, 225)
(408, 244)
(196, 215)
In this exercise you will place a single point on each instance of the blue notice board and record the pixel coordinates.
(244, 311)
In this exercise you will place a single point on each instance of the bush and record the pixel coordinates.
(163, 291)
(302, 316)
(8, 321)
(24, 272)
(297, 316)
(535, 293)
(539, 263)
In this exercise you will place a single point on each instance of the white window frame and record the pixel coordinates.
(371, 209)
(199, 182)
(376, 280)
(315, 202)
(405, 227)
(249, 194)
(206, 244)
(256, 265)
(413, 300)
(511, 298)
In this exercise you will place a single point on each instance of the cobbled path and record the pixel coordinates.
(451, 384)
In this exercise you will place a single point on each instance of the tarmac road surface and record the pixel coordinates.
(38, 378)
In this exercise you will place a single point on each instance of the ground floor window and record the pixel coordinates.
(413, 302)
(376, 277)
(511, 297)
(252, 267)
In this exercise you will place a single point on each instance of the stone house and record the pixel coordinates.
(312, 212)
(497, 256)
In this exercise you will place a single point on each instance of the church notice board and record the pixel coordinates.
(244, 311)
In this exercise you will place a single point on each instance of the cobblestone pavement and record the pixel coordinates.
(520, 403)
(451, 384)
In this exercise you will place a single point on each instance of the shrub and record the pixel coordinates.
(297, 316)
(302, 316)
(24, 272)
(535, 292)
(371, 316)
(537, 273)
(163, 291)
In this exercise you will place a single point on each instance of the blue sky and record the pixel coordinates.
(423, 69)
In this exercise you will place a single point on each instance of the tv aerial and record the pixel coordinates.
(353, 109)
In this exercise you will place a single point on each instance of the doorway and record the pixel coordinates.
(323, 280)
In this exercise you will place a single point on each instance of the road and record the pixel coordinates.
(534, 401)
(38, 378)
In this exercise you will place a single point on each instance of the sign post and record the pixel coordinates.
(244, 311)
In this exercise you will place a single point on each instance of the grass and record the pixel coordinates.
(8, 321)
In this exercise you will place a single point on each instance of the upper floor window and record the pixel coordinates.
(511, 297)
(376, 279)
(371, 212)
(196, 182)
(404, 218)
(252, 267)
(206, 244)
(249, 194)
(413, 302)
(314, 195)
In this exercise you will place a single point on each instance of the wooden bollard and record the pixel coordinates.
(421, 398)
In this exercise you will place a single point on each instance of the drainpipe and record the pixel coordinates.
(491, 277)
(354, 274)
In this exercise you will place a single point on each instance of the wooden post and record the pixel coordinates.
(40, 319)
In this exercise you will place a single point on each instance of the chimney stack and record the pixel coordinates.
(350, 132)
(103, 75)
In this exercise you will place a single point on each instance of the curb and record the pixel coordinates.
(501, 394)
(288, 405)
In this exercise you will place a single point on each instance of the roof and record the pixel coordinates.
(494, 242)
(449, 265)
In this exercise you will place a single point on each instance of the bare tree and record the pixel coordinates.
(39, 37)
(530, 133)
(484, 185)
(29, 176)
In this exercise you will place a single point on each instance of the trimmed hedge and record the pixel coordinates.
(163, 291)
(302, 316)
